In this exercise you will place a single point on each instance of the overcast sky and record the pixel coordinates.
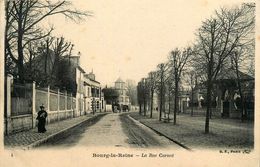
(128, 38)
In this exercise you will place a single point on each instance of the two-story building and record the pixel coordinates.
(89, 96)
(95, 101)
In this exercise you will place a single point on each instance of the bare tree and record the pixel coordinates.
(131, 91)
(152, 86)
(143, 92)
(31, 52)
(42, 50)
(244, 52)
(140, 96)
(60, 49)
(170, 90)
(161, 76)
(23, 18)
(46, 56)
(177, 61)
(217, 39)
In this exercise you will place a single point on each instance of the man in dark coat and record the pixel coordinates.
(42, 115)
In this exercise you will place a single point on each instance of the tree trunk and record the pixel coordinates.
(243, 113)
(175, 102)
(46, 61)
(168, 115)
(113, 106)
(20, 60)
(144, 107)
(161, 101)
(209, 89)
(210, 114)
(161, 104)
(20, 45)
(31, 75)
(151, 107)
(6, 40)
(191, 101)
(140, 108)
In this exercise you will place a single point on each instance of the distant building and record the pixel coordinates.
(123, 99)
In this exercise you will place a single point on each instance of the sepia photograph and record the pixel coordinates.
(142, 81)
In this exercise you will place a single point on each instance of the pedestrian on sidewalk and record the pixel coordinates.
(42, 115)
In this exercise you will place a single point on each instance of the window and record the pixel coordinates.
(97, 104)
(97, 95)
(118, 85)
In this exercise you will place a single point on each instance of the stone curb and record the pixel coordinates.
(160, 133)
(61, 132)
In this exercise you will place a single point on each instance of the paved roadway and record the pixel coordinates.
(113, 130)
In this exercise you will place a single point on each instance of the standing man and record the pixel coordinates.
(42, 115)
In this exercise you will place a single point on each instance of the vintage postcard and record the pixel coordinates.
(129, 83)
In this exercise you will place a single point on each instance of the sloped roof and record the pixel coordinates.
(119, 80)
(38, 62)
(230, 74)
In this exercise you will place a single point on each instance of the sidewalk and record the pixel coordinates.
(31, 138)
(189, 131)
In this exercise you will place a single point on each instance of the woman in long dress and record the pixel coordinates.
(42, 115)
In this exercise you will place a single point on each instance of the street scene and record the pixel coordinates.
(136, 75)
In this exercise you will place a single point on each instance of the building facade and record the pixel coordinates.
(89, 96)
(123, 99)
(95, 100)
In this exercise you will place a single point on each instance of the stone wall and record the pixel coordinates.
(19, 123)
